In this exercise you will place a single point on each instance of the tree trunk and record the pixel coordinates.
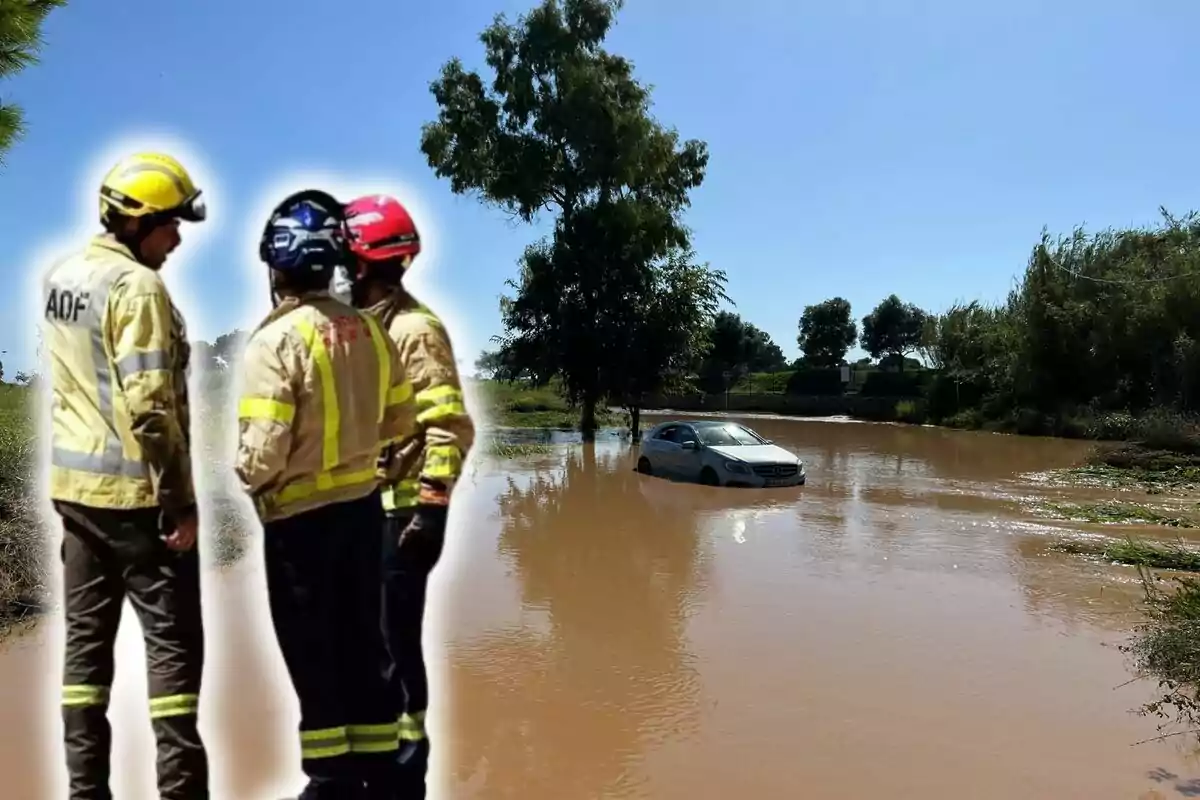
(587, 419)
(635, 424)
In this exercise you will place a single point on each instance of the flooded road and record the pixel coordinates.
(896, 628)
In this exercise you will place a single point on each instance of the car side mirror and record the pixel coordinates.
(688, 445)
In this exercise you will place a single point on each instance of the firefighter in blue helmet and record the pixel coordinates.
(324, 398)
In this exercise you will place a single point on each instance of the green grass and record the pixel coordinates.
(1135, 552)
(1154, 469)
(1152, 481)
(499, 449)
(517, 406)
(1112, 512)
(777, 382)
(762, 383)
(1165, 648)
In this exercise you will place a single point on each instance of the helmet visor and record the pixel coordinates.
(193, 209)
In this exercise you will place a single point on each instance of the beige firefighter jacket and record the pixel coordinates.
(324, 396)
(118, 352)
(446, 431)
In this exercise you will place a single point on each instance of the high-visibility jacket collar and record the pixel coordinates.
(289, 303)
(299, 298)
(106, 241)
(397, 301)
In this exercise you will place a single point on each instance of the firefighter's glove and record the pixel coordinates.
(422, 539)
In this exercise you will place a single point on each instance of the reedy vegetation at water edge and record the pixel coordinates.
(23, 549)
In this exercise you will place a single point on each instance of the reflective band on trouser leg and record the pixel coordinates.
(111, 460)
(82, 696)
(174, 705)
(442, 462)
(329, 400)
(412, 727)
(403, 495)
(438, 403)
(324, 743)
(373, 738)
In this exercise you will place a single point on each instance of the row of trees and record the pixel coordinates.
(734, 347)
(1101, 328)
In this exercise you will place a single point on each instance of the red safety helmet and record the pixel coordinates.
(381, 229)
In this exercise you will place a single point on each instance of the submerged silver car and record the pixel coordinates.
(718, 453)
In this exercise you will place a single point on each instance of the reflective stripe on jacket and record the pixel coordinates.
(323, 391)
(446, 430)
(118, 353)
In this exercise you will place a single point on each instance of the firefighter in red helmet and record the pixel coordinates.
(385, 241)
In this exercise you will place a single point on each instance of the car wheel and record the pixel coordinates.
(643, 466)
(708, 477)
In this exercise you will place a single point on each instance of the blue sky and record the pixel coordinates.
(857, 148)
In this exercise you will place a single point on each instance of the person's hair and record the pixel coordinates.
(386, 273)
(303, 281)
(114, 222)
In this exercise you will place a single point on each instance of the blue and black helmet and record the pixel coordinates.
(305, 234)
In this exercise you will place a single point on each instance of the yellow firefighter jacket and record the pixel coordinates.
(118, 351)
(324, 396)
(446, 431)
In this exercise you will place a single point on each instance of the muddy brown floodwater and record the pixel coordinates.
(896, 628)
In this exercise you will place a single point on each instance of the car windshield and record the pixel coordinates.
(727, 435)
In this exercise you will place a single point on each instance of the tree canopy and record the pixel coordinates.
(736, 348)
(827, 332)
(20, 43)
(563, 126)
(894, 328)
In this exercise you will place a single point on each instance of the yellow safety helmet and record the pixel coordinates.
(148, 185)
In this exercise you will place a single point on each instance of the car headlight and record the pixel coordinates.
(738, 467)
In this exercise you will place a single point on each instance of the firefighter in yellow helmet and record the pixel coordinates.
(325, 398)
(121, 473)
(385, 241)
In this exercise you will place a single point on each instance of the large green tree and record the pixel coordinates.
(563, 126)
(735, 348)
(670, 332)
(827, 332)
(490, 364)
(20, 42)
(894, 328)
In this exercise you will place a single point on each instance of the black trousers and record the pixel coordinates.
(406, 570)
(323, 579)
(109, 555)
